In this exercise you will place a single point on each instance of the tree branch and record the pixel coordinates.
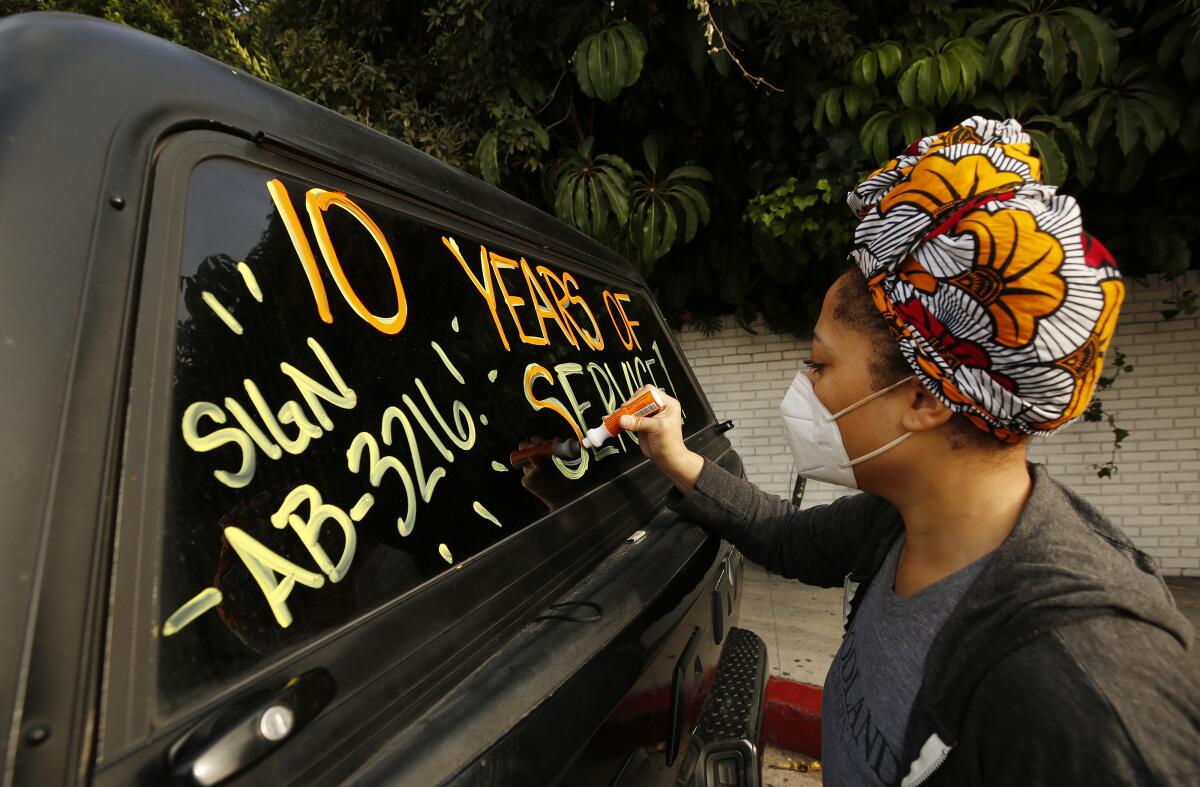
(704, 14)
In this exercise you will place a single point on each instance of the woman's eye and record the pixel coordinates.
(810, 364)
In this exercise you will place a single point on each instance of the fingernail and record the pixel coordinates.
(627, 422)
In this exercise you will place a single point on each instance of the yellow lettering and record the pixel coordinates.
(289, 413)
(192, 608)
(464, 438)
(216, 439)
(257, 435)
(425, 484)
(313, 392)
(309, 529)
(263, 565)
(379, 467)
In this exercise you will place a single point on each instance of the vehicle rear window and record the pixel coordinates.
(349, 383)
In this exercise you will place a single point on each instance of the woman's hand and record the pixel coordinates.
(660, 436)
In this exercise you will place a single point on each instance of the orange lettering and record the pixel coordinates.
(543, 307)
(535, 371)
(317, 201)
(502, 264)
(565, 282)
(283, 203)
(485, 288)
(615, 298)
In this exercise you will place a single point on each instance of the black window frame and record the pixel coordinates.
(524, 571)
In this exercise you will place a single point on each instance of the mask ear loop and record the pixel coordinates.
(882, 448)
(877, 451)
(875, 395)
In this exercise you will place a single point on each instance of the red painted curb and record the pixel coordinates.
(792, 718)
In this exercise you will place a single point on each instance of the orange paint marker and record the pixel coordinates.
(648, 402)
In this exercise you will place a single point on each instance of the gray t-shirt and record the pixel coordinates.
(874, 678)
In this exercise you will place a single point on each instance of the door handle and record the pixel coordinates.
(235, 737)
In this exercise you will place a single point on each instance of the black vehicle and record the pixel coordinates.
(264, 371)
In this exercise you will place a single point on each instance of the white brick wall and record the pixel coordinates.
(1155, 494)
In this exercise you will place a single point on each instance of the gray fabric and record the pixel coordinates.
(1064, 663)
(874, 678)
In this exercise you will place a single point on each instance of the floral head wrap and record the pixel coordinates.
(1001, 304)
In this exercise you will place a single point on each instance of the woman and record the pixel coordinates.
(999, 629)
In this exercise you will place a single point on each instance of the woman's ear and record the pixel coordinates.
(925, 411)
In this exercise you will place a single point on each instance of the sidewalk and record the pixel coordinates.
(802, 626)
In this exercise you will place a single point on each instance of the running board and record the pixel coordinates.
(726, 746)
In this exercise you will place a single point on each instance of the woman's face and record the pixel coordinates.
(841, 375)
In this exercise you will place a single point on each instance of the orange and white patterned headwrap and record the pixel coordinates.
(1002, 305)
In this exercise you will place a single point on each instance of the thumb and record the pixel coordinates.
(639, 423)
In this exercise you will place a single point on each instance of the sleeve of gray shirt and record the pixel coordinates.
(815, 545)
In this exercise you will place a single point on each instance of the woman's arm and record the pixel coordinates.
(817, 545)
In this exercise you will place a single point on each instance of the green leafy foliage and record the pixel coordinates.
(1057, 29)
(662, 207)
(609, 60)
(641, 213)
(738, 208)
(590, 190)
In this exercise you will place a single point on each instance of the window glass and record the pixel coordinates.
(349, 386)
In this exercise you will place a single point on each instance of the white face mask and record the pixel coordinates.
(816, 441)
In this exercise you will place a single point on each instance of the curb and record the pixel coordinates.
(792, 717)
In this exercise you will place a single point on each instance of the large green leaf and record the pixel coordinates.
(927, 81)
(1100, 120)
(970, 64)
(691, 171)
(670, 230)
(651, 151)
(485, 156)
(1053, 40)
(1107, 49)
(890, 57)
(1013, 52)
(1161, 98)
(610, 60)
(1153, 130)
(1079, 101)
(874, 135)
(697, 198)
(599, 212)
(691, 217)
(615, 191)
(981, 26)
(1127, 126)
(1087, 55)
(833, 108)
(995, 49)
(583, 73)
(864, 68)
(907, 85)
(1054, 161)
(635, 43)
(950, 72)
